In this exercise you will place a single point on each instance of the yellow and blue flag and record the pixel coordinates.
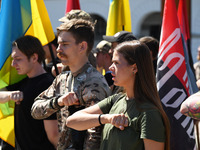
(41, 24)
(18, 18)
(119, 17)
(15, 18)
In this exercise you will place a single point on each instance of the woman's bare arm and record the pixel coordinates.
(90, 117)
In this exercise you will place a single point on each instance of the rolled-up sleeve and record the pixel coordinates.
(46, 103)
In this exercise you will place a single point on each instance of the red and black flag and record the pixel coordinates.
(184, 26)
(172, 79)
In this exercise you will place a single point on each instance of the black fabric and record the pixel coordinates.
(30, 133)
(155, 65)
(6, 146)
(108, 78)
(78, 137)
(72, 109)
(120, 37)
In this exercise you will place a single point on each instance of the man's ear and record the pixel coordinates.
(108, 56)
(83, 46)
(34, 57)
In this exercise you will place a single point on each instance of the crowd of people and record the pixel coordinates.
(68, 104)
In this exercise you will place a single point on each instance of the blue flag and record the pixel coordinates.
(15, 18)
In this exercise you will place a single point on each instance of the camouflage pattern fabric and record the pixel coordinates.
(90, 87)
(76, 14)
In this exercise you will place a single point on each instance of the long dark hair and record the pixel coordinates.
(145, 89)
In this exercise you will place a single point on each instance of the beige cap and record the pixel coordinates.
(76, 14)
(103, 46)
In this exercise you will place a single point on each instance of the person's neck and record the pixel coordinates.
(107, 65)
(36, 71)
(74, 68)
(130, 90)
(130, 94)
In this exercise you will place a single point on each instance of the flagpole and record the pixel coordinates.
(190, 56)
(53, 59)
(189, 40)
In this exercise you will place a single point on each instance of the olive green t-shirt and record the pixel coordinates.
(144, 124)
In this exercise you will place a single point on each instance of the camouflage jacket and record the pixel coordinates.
(90, 87)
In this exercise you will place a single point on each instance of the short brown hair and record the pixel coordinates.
(82, 30)
(29, 45)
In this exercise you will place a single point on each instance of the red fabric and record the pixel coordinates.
(183, 19)
(72, 4)
(171, 47)
(172, 79)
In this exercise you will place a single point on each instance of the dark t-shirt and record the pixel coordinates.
(30, 133)
(108, 78)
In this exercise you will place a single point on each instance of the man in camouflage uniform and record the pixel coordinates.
(73, 90)
(75, 14)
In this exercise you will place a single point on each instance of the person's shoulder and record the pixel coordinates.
(91, 75)
(46, 77)
(92, 80)
(62, 75)
(92, 70)
(43, 80)
(119, 95)
(94, 74)
(16, 86)
(148, 107)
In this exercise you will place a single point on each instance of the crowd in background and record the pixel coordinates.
(79, 97)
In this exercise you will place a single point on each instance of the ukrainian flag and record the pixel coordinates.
(17, 18)
(119, 17)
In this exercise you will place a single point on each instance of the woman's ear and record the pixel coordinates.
(134, 68)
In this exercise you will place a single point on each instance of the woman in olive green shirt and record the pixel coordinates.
(135, 119)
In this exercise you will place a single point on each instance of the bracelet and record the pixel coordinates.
(54, 103)
(100, 119)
